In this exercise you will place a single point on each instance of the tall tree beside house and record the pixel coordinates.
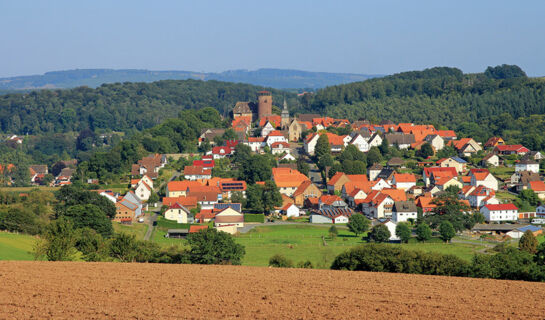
(238, 197)
(254, 196)
(403, 232)
(529, 196)
(423, 232)
(446, 231)
(358, 224)
(380, 233)
(322, 147)
(374, 156)
(384, 147)
(425, 151)
(528, 242)
(271, 196)
(302, 165)
(450, 208)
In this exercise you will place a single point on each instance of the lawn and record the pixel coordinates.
(28, 189)
(502, 172)
(16, 246)
(138, 229)
(304, 242)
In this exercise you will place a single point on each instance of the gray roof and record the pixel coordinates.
(243, 107)
(308, 116)
(497, 227)
(404, 206)
(400, 138)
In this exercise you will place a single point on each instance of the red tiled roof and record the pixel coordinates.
(503, 206)
(193, 229)
(512, 147)
(537, 185)
(182, 185)
(280, 144)
(287, 177)
(196, 170)
(404, 177)
(329, 199)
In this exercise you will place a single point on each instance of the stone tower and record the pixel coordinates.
(264, 104)
(285, 116)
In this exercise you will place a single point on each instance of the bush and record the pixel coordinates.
(380, 233)
(279, 261)
(388, 258)
(210, 246)
(250, 217)
(305, 265)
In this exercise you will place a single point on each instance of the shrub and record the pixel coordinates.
(380, 233)
(305, 264)
(279, 261)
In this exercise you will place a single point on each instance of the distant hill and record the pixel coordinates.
(275, 78)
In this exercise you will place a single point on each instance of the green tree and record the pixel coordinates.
(254, 196)
(374, 156)
(153, 198)
(358, 224)
(58, 242)
(271, 196)
(423, 232)
(124, 247)
(425, 151)
(380, 233)
(540, 254)
(238, 197)
(90, 216)
(91, 245)
(403, 232)
(302, 166)
(322, 146)
(446, 230)
(529, 196)
(210, 246)
(528, 242)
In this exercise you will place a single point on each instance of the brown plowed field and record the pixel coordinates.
(151, 291)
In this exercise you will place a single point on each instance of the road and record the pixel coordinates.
(156, 210)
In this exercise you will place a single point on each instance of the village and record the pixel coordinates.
(389, 191)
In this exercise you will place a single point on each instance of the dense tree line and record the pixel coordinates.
(120, 106)
(505, 263)
(497, 102)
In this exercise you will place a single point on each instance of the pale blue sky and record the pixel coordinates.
(374, 37)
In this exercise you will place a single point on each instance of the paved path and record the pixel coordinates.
(151, 223)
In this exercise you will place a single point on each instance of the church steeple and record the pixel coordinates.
(285, 115)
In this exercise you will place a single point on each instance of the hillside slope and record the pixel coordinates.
(114, 290)
(275, 78)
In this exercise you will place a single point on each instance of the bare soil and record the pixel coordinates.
(73, 290)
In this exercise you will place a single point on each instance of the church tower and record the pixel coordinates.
(285, 116)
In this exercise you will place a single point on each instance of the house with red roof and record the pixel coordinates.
(538, 187)
(465, 146)
(275, 136)
(179, 188)
(220, 152)
(336, 142)
(287, 180)
(339, 179)
(305, 190)
(507, 149)
(280, 147)
(432, 173)
(256, 144)
(195, 229)
(404, 181)
(493, 142)
(187, 202)
(447, 134)
(483, 177)
(481, 196)
(331, 201)
(177, 212)
(378, 205)
(426, 204)
(197, 173)
(500, 212)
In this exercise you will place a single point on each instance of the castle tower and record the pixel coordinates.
(264, 105)
(285, 116)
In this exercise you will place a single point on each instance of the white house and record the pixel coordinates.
(491, 160)
(403, 211)
(435, 141)
(483, 177)
(481, 196)
(291, 210)
(268, 128)
(256, 144)
(275, 136)
(527, 165)
(197, 173)
(178, 213)
(143, 191)
(375, 141)
(229, 216)
(280, 147)
(360, 142)
(500, 212)
(109, 195)
(331, 216)
(540, 211)
(404, 181)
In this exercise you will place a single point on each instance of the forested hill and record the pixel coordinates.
(275, 78)
(478, 105)
(120, 107)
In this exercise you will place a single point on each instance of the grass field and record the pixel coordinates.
(28, 189)
(16, 246)
(138, 229)
(502, 172)
(302, 242)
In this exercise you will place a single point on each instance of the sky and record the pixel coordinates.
(370, 37)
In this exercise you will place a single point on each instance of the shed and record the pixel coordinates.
(177, 233)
